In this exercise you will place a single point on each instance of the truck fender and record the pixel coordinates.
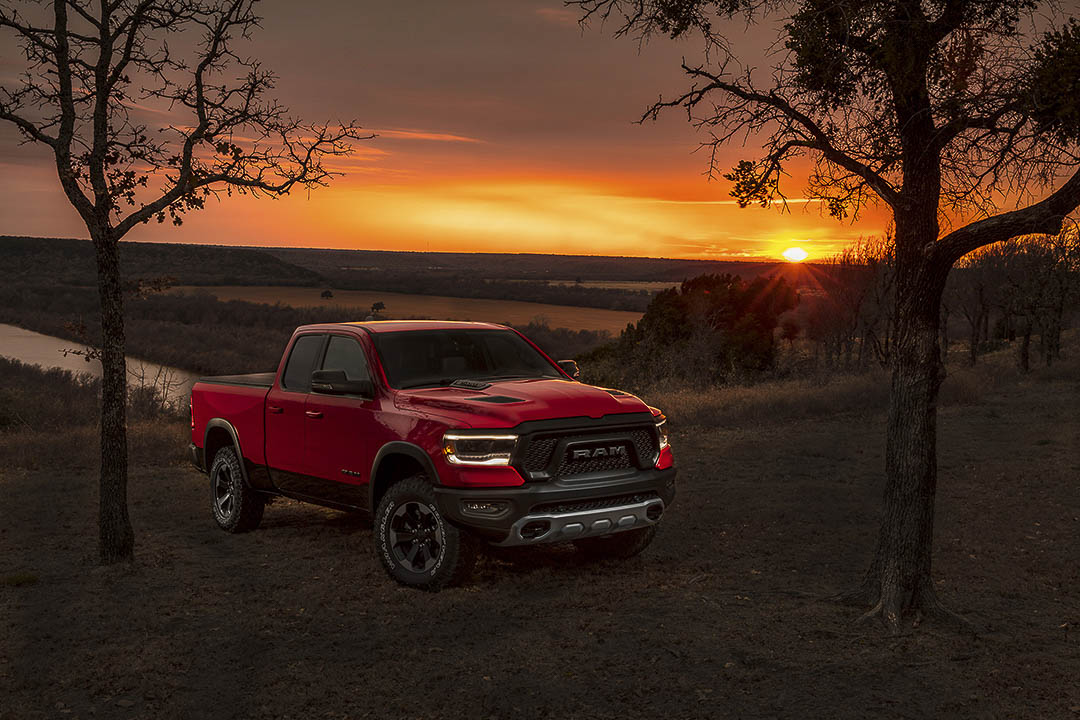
(399, 447)
(227, 427)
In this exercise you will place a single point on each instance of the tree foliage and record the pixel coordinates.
(710, 329)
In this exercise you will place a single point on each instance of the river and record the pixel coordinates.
(36, 349)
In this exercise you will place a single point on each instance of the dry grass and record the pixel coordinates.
(150, 442)
(49, 419)
(400, 305)
(865, 393)
(19, 579)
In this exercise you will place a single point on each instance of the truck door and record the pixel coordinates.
(339, 429)
(285, 418)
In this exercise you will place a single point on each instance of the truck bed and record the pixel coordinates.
(250, 380)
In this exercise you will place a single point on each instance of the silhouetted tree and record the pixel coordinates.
(933, 108)
(326, 294)
(141, 131)
(707, 328)
(972, 291)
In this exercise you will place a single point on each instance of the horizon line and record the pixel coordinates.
(753, 259)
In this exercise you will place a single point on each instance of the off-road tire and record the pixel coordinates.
(618, 546)
(408, 504)
(236, 507)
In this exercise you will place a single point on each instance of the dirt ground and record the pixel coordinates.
(722, 617)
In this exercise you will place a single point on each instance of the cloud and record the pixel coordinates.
(559, 16)
(413, 134)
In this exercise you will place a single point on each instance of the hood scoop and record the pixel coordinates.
(497, 399)
(470, 384)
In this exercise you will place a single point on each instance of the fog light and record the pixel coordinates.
(489, 508)
(535, 529)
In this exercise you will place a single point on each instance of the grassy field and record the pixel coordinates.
(651, 286)
(428, 306)
(724, 616)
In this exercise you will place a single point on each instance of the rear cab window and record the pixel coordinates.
(301, 363)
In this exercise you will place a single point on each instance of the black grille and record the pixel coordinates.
(538, 452)
(645, 444)
(600, 504)
(569, 467)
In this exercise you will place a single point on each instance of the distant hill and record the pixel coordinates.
(515, 266)
(68, 261)
(526, 277)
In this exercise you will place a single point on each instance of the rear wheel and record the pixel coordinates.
(618, 546)
(237, 508)
(415, 543)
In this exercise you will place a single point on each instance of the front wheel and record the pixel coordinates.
(237, 508)
(415, 543)
(619, 546)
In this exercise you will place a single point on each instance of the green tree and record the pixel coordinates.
(90, 71)
(935, 108)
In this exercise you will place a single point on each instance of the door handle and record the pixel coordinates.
(313, 413)
(274, 409)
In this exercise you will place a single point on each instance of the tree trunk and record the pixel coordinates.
(944, 332)
(1025, 349)
(898, 580)
(116, 541)
(899, 576)
(973, 350)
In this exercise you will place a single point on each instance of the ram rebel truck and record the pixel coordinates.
(451, 434)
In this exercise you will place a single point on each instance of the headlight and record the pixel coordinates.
(463, 449)
(661, 430)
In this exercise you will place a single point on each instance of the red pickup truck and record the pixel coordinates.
(451, 434)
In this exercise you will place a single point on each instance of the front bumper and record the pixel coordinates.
(561, 510)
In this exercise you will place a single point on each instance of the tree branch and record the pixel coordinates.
(820, 139)
(1045, 217)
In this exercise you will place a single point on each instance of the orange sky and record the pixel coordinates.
(501, 127)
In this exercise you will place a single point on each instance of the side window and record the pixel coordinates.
(346, 354)
(297, 375)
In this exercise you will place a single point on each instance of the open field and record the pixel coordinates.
(399, 305)
(722, 617)
(649, 285)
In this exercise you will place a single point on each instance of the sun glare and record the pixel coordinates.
(794, 254)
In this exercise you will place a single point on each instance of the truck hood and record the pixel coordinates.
(509, 402)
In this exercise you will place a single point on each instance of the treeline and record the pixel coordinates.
(518, 266)
(426, 282)
(717, 329)
(70, 262)
(67, 261)
(1016, 290)
(198, 333)
(711, 329)
(1025, 290)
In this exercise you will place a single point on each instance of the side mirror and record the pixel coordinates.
(335, 382)
(570, 368)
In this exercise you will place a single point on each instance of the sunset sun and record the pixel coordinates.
(794, 254)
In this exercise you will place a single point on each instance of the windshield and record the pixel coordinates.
(434, 358)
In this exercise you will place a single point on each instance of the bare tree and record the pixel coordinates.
(972, 291)
(943, 110)
(1040, 283)
(142, 132)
